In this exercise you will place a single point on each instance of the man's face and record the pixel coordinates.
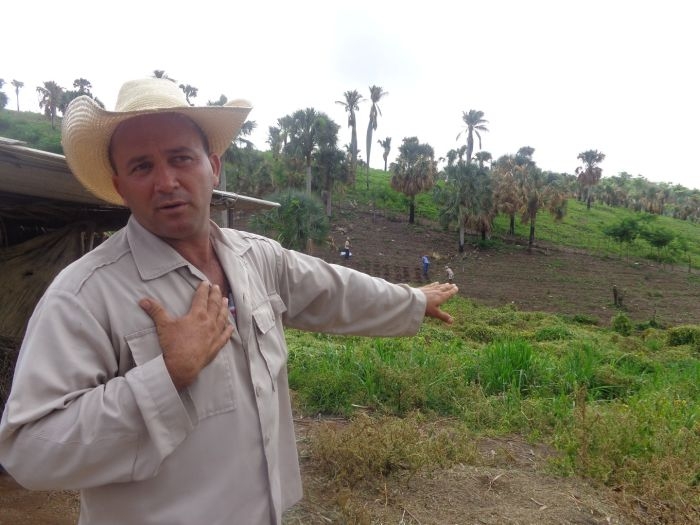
(165, 175)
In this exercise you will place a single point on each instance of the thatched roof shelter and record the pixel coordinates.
(47, 220)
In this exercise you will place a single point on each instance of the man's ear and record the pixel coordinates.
(215, 162)
(115, 183)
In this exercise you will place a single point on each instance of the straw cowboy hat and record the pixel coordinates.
(87, 128)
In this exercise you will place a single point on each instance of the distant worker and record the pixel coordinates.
(450, 274)
(426, 265)
(346, 252)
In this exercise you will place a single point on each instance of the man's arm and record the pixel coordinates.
(329, 298)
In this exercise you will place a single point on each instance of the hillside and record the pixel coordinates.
(552, 278)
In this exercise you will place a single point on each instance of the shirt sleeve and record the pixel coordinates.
(334, 299)
(71, 421)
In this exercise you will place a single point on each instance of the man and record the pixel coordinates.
(152, 376)
(426, 265)
(450, 274)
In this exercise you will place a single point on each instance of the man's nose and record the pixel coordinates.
(165, 178)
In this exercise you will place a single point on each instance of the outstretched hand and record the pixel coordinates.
(192, 341)
(435, 295)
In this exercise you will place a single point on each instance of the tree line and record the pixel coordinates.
(470, 190)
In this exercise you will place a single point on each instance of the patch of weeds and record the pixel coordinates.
(480, 333)
(584, 319)
(684, 335)
(621, 324)
(375, 448)
(553, 333)
(502, 317)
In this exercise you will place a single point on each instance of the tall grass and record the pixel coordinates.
(624, 410)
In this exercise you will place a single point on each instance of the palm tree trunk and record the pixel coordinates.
(353, 152)
(511, 226)
(531, 240)
(412, 210)
(461, 238)
(308, 175)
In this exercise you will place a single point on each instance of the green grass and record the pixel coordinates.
(32, 128)
(583, 229)
(624, 410)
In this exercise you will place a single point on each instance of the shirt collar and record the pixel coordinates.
(152, 255)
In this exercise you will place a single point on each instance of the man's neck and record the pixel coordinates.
(198, 251)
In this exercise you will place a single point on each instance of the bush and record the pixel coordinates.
(684, 335)
(622, 324)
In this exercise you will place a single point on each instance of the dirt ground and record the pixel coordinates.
(513, 488)
(550, 278)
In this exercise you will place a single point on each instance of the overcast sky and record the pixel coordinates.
(560, 76)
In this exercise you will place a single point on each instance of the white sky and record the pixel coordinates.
(561, 76)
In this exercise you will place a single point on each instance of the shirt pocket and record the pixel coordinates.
(270, 338)
(211, 393)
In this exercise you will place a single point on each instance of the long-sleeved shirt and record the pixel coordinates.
(93, 407)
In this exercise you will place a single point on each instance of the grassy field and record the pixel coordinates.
(621, 406)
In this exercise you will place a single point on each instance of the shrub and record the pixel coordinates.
(684, 335)
(553, 333)
(622, 324)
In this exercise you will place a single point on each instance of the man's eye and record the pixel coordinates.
(181, 159)
(140, 168)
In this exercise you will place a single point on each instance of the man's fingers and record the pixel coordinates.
(155, 310)
(201, 295)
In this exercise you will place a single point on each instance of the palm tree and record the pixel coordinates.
(303, 137)
(376, 93)
(351, 104)
(18, 85)
(482, 157)
(589, 175)
(51, 97)
(414, 171)
(274, 139)
(160, 73)
(330, 163)
(538, 190)
(466, 198)
(285, 124)
(506, 193)
(84, 86)
(386, 144)
(190, 91)
(298, 220)
(475, 122)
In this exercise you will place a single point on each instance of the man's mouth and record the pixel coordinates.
(171, 205)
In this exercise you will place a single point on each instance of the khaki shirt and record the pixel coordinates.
(93, 408)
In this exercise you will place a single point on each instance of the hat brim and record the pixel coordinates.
(87, 130)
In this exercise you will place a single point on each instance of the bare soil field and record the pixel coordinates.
(510, 485)
(549, 278)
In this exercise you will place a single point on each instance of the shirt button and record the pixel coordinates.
(267, 440)
(258, 391)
